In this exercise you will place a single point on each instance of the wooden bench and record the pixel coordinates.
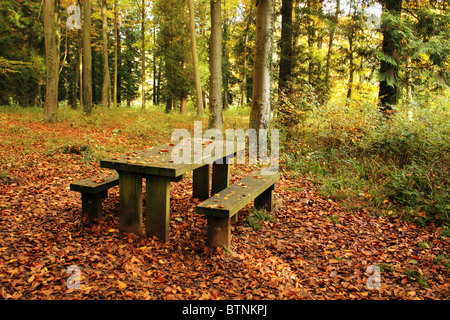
(93, 190)
(222, 206)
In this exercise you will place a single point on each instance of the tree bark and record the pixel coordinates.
(116, 45)
(106, 89)
(330, 45)
(215, 97)
(285, 48)
(143, 54)
(87, 59)
(260, 111)
(195, 63)
(52, 40)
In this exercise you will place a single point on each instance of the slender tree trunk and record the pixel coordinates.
(311, 35)
(351, 69)
(80, 67)
(116, 45)
(87, 59)
(244, 76)
(215, 97)
(260, 112)
(106, 89)
(408, 79)
(285, 48)
(351, 38)
(244, 73)
(330, 45)
(195, 63)
(143, 54)
(51, 39)
(183, 104)
(225, 58)
(389, 88)
(158, 91)
(154, 67)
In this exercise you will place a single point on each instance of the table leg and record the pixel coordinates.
(158, 207)
(130, 188)
(201, 182)
(220, 176)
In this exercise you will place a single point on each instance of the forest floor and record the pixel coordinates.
(313, 249)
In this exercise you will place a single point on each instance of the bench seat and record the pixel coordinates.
(93, 190)
(222, 206)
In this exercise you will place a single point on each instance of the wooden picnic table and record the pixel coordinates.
(157, 167)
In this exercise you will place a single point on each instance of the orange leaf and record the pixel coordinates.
(122, 285)
(167, 289)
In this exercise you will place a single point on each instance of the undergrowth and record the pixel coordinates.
(397, 165)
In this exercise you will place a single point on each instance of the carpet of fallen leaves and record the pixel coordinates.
(314, 249)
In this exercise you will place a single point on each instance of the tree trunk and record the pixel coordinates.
(52, 39)
(80, 66)
(285, 48)
(260, 112)
(389, 88)
(225, 59)
(106, 89)
(330, 45)
(154, 66)
(195, 63)
(351, 69)
(215, 97)
(244, 77)
(143, 54)
(183, 104)
(116, 45)
(87, 59)
(158, 88)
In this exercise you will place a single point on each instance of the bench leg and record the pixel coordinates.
(130, 188)
(201, 182)
(219, 232)
(91, 203)
(158, 207)
(265, 200)
(220, 177)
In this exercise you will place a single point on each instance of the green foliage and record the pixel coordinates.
(397, 167)
(21, 52)
(174, 47)
(415, 275)
(130, 70)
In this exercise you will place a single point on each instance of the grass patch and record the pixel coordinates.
(256, 217)
(416, 276)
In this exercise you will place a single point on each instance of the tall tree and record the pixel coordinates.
(106, 89)
(87, 59)
(260, 111)
(195, 62)
(116, 44)
(285, 72)
(334, 24)
(143, 53)
(215, 96)
(389, 87)
(52, 41)
(351, 36)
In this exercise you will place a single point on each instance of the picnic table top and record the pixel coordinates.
(158, 160)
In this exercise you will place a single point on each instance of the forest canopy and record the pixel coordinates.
(322, 49)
